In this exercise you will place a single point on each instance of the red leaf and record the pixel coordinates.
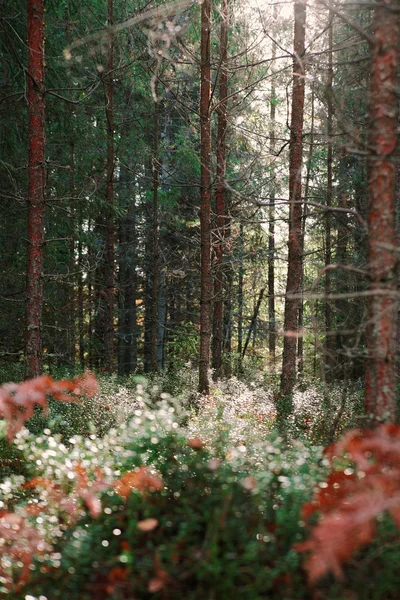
(141, 479)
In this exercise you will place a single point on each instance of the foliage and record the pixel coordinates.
(18, 401)
(147, 508)
(364, 483)
(209, 510)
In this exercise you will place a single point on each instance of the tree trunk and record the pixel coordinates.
(127, 326)
(271, 223)
(253, 321)
(293, 284)
(154, 298)
(80, 297)
(300, 342)
(240, 293)
(72, 267)
(382, 306)
(329, 338)
(36, 184)
(110, 227)
(220, 194)
(205, 207)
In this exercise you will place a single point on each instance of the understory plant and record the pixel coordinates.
(154, 509)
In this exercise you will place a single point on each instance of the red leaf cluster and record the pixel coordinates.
(18, 400)
(85, 489)
(352, 498)
(141, 479)
(21, 542)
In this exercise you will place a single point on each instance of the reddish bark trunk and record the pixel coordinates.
(294, 273)
(205, 207)
(380, 380)
(36, 183)
(110, 228)
(220, 193)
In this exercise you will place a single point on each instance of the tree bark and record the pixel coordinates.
(220, 206)
(253, 320)
(205, 207)
(81, 297)
(110, 227)
(329, 339)
(293, 285)
(36, 185)
(382, 306)
(271, 222)
(240, 292)
(300, 342)
(154, 299)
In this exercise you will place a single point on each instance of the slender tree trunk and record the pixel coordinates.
(154, 299)
(148, 285)
(382, 306)
(72, 299)
(228, 301)
(300, 342)
(240, 292)
(162, 315)
(110, 227)
(80, 297)
(220, 193)
(91, 301)
(329, 338)
(293, 284)
(253, 321)
(271, 223)
(72, 268)
(127, 326)
(205, 207)
(36, 185)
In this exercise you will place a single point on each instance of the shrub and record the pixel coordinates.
(147, 509)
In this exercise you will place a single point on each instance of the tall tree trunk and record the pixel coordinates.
(154, 299)
(271, 222)
(240, 292)
(72, 299)
(127, 326)
(293, 285)
(147, 284)
(81, 296)
(220, 193)
(72, 269)
(329, 338)
(300, 342)
(162, 316)
(382, 306)
(205, 207)
(110, 227)
(36, 184)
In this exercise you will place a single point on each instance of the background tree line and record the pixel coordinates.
(152, 173)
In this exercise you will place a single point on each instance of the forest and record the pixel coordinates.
(199, 299)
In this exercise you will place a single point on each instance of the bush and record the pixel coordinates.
(174, 518)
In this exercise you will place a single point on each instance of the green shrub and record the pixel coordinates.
(225, 526)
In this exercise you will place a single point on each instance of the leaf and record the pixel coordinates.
(147, 524)
(156, 584)
(196, 443)
(141, 479)
(18, 401)
(350, 501)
